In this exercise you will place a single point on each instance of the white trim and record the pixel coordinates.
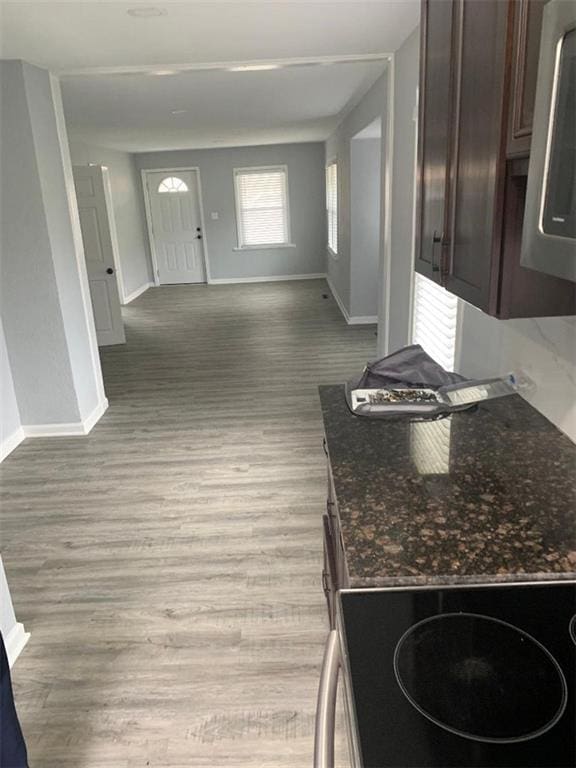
(77, 234)
(264, 279)
(71, 429)
(266, 247)
(255, 169)
(137, 292)
(223, 65)
(414, 220)
(387, 213)
(15, 642)
(338, 300)
(350, 319)
(11, 442)
(148, 210)
(363, 320)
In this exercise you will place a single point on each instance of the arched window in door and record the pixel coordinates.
(172, 184)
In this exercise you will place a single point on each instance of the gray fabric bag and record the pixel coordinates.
(408, 368)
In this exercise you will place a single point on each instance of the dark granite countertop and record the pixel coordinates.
(482, 496)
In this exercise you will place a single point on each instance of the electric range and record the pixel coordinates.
(462, 676)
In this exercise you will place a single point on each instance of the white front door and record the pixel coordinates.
(176, 224)
(96, 222)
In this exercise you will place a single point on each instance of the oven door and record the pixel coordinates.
(335, 731)
(549, 235)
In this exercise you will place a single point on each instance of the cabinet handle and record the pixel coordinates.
(326, 706)
(436, 238)
(325, 587)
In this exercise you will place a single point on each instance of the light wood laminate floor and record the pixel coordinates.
(168, 564)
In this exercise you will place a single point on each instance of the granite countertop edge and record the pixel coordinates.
(424, 580)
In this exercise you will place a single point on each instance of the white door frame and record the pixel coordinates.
(144, 175)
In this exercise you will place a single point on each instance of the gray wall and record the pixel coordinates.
(9, 414)
(402, 200)
(371, 107)
(128, 211)
(306, 191)
(46, 313)
(365, 157)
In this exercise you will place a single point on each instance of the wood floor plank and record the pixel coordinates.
(168, 564)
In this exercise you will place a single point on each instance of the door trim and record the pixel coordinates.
(148, 209)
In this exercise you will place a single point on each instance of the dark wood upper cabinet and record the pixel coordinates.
(475, 175)
(527, 25)
(434, 129)
(479, 60)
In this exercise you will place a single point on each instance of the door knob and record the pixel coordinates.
(109, 271)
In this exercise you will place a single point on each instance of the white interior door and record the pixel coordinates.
(176, 224)
(97, 235)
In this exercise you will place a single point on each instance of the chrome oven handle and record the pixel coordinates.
(326, 707)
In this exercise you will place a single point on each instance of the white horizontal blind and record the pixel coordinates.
(434, 321)
(262, 206)
(332, 206)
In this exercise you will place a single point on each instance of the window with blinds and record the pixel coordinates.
(332, 206)
(435, 321)
(262, 214)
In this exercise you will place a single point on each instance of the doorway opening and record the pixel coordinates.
(365, 213)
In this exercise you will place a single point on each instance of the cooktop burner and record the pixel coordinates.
(480, 677)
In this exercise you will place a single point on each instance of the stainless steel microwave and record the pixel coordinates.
(549, 234)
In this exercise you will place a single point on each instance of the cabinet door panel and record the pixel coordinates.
(526, 50)
(477, 162)
(434, 129)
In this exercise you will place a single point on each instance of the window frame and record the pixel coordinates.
(331, 250)
(255, 170)
(174, 190)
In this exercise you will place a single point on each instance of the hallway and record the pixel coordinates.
(168, 565)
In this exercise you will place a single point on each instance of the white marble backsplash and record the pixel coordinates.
(544, 348)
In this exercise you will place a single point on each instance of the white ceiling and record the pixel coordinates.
(78, 35)
(213, 108)
(105, 58)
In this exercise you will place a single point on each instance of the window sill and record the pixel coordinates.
(263, 247)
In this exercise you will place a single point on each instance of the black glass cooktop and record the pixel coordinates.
(479, 676)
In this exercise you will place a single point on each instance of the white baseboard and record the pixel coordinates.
(92, 419)
(338, 300)
(264, 279)
(137, 292)
(363, 320)
(15, 642)
(11, 442)
(350, 319)
(70, 429)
